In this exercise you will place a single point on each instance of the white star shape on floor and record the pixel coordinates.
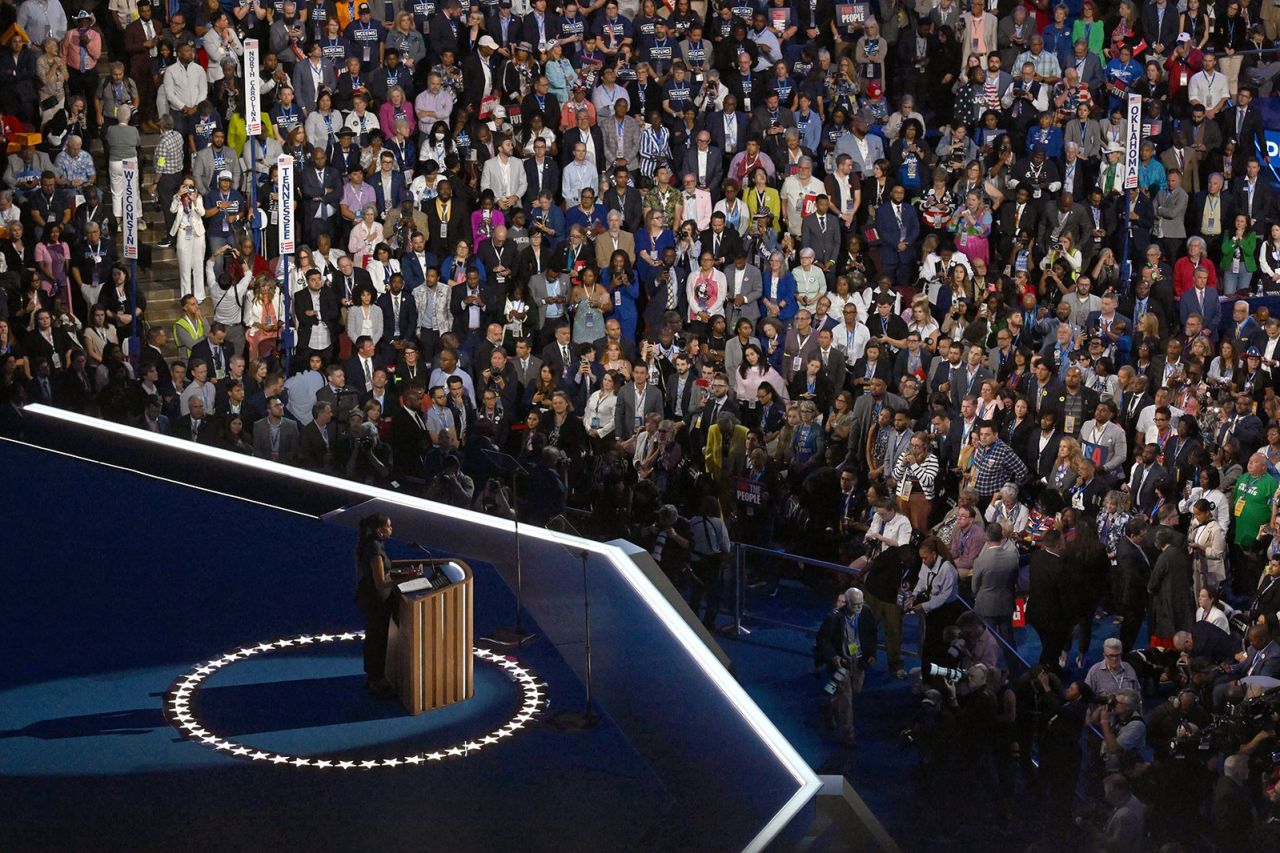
(532, 690)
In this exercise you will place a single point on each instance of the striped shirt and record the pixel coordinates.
(908, 473)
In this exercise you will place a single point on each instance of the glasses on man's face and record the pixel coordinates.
(1111, 655)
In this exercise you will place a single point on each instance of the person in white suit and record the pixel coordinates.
(188, 234)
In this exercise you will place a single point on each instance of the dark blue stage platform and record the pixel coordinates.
(182, 672)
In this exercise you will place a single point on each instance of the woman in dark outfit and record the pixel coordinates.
(373, 595)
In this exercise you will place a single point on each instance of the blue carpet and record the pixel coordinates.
(118, 584)
(775, 664)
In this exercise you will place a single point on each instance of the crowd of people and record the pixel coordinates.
(858, 281)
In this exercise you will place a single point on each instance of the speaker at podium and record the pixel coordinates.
(430, 659)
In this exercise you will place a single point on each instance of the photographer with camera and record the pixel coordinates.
(1124, 731)
(935, 600)
(846, 647)
(367, 456)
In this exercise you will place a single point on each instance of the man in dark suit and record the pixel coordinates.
(446, 31)
(588, 135)
(541, 174)
(196, 425)
(316, 308)
(320, 186)
(728, 127)
(1042, 446)
(473, 303)
(1254, 197)
(746, 86)
(500, 258)
(342, 391)
(898, 229)
(448, 221)
(1242, 124)
(541, 27)
(399, 320)
(1051, 610)
(540, 101)
(1146, 475)
(214, 350)
(625, 199)
(1015, 218)
(705, 162)
(913, 354)
(1234, 818)
(1220, 211)
(1133, 570)
(409, 438)
(559, 352)
(347, 279)
(315, 444)
(723, 242)
(359, 368)
(1160, 26)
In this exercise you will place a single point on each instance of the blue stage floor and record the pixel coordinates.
(118, 584)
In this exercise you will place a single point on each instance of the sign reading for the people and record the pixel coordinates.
(284, 196)
(252, 89)
(1132, 142)
(132, 209)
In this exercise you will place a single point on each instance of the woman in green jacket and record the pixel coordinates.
(1239, 257)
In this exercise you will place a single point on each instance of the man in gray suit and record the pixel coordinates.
(628, 153)
(743, 292)
(275, 437)
(995, 573)
(865, 148)
(312, 75)
(526, 364)
(637, 400)
(1171, 212)
(967, 379)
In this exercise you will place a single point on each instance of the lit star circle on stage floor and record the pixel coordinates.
(179, 700)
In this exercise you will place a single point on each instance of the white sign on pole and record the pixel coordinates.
(284, 194)
(132, 209)
(252, 89)
(1132, 142)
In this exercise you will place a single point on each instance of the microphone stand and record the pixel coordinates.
(587, 718)
(516, 635)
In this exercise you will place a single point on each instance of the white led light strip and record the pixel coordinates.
(806, 780)
(179, 699)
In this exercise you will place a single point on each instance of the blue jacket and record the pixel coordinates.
(786, 291)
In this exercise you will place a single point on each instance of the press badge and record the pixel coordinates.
(1239, 507)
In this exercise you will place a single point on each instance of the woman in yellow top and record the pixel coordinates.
(761, 196)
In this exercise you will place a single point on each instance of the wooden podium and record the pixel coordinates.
(430, 652)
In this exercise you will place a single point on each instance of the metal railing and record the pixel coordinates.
(1014, 661)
